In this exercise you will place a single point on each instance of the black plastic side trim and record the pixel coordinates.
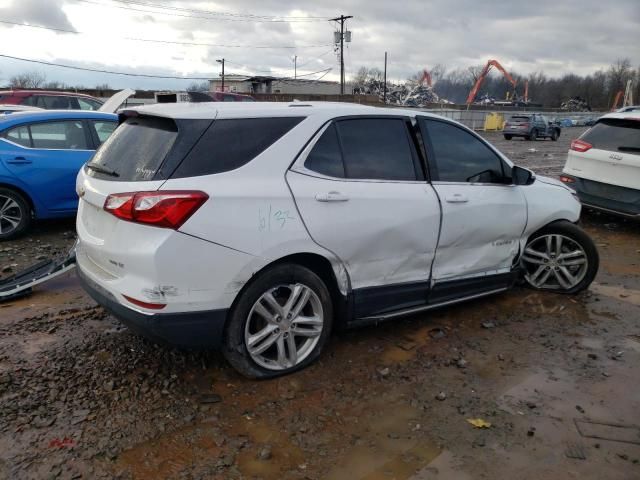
(376, 300)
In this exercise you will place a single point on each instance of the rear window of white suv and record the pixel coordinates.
(614, 134)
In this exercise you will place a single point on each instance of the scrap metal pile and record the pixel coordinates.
(576, 104)
(408, 94)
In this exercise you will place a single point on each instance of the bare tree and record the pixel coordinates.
(27, 80)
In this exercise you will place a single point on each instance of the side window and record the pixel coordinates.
(55, 102)
(326, 156)
(103, 130)
(228, 98)
(460, 156)
(86, 104)
(30, 101)
(231, 143)
(68, 135)
(19, 135)
(376, 149)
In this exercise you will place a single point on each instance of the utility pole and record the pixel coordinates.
(222, 62)
(384, 94)
(295, 66)
(341, 19)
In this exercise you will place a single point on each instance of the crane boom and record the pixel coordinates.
(483, 75)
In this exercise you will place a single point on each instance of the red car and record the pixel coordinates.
(50, 100)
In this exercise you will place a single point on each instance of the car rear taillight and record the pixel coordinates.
(147, 305)
(565, 179)
(166, 209)
(580, 146)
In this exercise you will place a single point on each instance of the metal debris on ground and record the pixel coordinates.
(576, 104)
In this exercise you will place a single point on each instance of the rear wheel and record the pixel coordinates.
(15, 214)
(560, 257)
(508, 137)
(534, 134)
(280, 323)
(554, 135)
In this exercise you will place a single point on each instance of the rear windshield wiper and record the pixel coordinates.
(99, 169)
(629, 149)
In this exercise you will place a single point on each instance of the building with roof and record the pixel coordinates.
(267, 84)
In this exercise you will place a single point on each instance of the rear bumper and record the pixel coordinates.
(189, 330)
(609, 198)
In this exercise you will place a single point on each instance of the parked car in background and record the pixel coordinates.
(531, 127)
(230, 97)
(603, 165)
(201, 97)
(260, 228)
(40, 156)
(50, 100)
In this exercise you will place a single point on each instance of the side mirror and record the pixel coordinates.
(522, 176)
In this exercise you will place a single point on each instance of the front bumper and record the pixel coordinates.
(202, 329)
(609, 198)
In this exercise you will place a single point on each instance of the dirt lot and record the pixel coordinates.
(555, 376)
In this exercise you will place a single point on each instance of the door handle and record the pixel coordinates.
(457, 198)
(19, 161)
(331, 197)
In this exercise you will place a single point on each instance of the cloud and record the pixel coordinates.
(33, 12)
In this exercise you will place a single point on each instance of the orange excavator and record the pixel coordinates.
(425, 78)
(483, 75)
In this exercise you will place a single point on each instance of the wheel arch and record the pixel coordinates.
(22, 192)
(322, 266)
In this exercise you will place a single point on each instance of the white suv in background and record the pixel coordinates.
(603, 165)
(258, 228)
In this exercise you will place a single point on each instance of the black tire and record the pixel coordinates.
(575, 233)
(534, 134)
(527, 137)
(554, 135)
(508, 137)
(19, 208)
(234, 345)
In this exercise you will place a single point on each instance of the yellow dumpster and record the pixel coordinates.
(494, 121)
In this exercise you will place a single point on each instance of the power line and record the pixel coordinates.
(174, 14)
(171, 77)
(103, 71)
(167, 42)
(278, 69)
(210, 12)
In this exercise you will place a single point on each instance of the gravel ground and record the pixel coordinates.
(82, 397)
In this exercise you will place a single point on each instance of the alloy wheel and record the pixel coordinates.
(554, 262)
(10, 214)
(284, 326)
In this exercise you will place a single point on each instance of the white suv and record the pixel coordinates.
(603, 165)
(258, 228)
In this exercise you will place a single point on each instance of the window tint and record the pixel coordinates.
(68, 135)
(460, 156)
(615, 134)
(30, 101)
(19, 135)
(326, 157)
(376, 148)
(229, 144)
(54, 102)
(103, 129)
(136, 149)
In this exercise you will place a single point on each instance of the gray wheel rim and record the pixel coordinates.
(284, 326)
(554, 262)
(10, 214)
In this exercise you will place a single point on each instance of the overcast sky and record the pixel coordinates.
(555, 36)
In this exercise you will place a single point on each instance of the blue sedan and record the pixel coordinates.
(40, 156)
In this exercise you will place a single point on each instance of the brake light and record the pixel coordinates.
(165, 209)
(580, 146)
(565, 179)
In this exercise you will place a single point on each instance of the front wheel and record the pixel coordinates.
(560, 257)
(280, 323)
(554, 135)
(507, 137)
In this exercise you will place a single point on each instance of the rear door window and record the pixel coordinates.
(103, 130)
(614, 134)
(67, 135)
(326, 156)
(377, 149)
(53, 102)
(87, 104)
(19, 135)
(231, 143)
(136, 149)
